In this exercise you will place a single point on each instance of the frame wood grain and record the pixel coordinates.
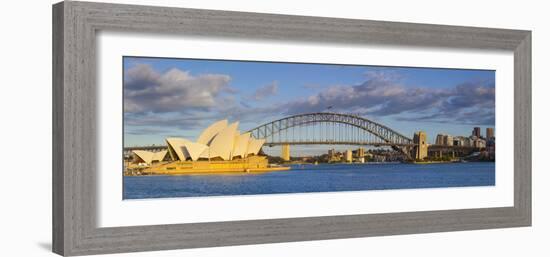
(75, 25)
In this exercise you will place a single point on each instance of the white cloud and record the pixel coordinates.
(147, 90)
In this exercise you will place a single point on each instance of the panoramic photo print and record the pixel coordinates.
(196, 127)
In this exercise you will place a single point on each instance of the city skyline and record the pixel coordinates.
(177, 97)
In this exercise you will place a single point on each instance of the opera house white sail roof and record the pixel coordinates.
(220, 140)
(150, 157)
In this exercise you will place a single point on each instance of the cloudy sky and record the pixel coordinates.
(180, 97)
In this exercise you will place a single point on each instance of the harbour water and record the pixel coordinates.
(314, 178)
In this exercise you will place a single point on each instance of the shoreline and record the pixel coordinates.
(228, 171)
(386, 163)
(244, 171)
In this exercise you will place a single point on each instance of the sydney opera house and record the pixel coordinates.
(219, 148)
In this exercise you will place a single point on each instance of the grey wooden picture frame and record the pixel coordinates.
(75, 25)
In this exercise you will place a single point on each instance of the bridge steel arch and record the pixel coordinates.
(387, 136)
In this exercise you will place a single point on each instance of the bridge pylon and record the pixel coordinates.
(421, 150)
(285, 152)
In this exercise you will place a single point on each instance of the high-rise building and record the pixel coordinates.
(476, 132)
(421, 150)
(444, 139)
(490, 133)
(440, 139)
(448, 140)
(360, 152)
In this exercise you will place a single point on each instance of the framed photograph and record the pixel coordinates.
(182, 128)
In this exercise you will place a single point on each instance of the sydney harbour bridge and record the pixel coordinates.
(331, 129)
(326, 128)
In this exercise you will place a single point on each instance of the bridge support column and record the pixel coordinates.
(420, 138)
(285, 152)
(349, 156)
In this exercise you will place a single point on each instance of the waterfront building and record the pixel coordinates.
(331, 154)
(335, 156)
(220, 148)
(209, 133)
(148, 157)
(479, 143)
(448, 140)
(439, 139)
(458, 141)
(219, 141)
(360, 152)
(444, 139)
(240, 149)
(489, 133)
(421, 149)
(468, 141)
(379, 158)
(476, 132)
(181, 149)
(349, 156)
(461, 141)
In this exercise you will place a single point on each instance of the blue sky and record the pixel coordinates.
(179, 97)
